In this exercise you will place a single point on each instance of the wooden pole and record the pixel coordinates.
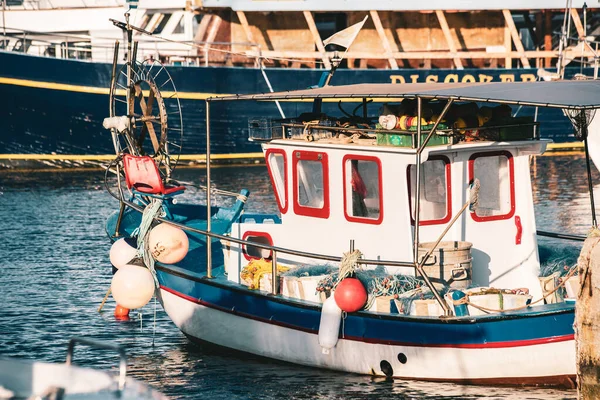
(446, 30)
(548, 36)
(249, 37)
(317, 38)
(587, 321)
(384, 40)
(577, 23)
(508, 48)
(510, 23)
(242, 17)
(105, 298)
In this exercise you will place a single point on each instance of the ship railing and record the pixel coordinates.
(273, 249)
(81, 47)
(56, 4)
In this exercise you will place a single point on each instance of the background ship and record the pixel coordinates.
(55, 63)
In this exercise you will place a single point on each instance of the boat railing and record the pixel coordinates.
(298, 253)
(105, 346)
(274, 249)
(265, 130)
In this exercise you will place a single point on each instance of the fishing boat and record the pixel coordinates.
(405, 245)
(24, 379)
(55, 60)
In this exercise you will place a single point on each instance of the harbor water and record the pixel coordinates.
(54, 272)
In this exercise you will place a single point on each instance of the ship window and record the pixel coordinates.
(161, 25)
(362, 189)
(277, 166)
(311, 191)
(254, 252)
(144, 21)
(180, 27)
(495, 172)
(329, 23)
(435, 191)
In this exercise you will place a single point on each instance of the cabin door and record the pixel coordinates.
(502, 232)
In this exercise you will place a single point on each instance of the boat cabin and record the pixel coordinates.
(332, 189)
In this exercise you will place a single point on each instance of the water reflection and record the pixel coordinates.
(55, 271)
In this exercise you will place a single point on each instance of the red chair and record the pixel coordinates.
(142, 176)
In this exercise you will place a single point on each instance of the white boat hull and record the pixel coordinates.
(540, 363)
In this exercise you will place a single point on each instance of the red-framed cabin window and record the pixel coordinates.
(310, 172)
(362, 189)
(253, 252)
(277, 167)
(436, 191)
(496, 173)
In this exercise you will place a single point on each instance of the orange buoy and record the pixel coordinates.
(121, 312)
(168, 244)
(350, 295)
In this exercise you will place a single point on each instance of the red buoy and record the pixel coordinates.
(350, 295)
(121, 312)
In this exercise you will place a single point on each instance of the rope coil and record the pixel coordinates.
(348, 265)
(151, 211)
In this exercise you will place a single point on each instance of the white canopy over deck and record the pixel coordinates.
(575, 94)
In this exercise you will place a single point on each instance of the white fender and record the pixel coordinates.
(121, 253)
(119, 123)
(329, 328)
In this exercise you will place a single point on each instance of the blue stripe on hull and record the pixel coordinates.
(546, 324)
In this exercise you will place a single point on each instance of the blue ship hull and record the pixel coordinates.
(57, 106)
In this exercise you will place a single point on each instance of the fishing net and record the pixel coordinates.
(580, 118)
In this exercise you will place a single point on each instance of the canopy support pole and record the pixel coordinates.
(435, 125)
(418, 265)
(590, 185)
(417, 183)
(208, 188)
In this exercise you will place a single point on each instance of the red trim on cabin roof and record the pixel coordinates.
(282, 208)
(257, 234)
(511, 172)
(364, 220)
(444, 220)
(300, 155)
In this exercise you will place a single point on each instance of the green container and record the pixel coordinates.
(518, 128)
(522, 132)
(385, 139)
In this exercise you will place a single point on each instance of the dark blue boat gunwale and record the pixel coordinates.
(544, 324)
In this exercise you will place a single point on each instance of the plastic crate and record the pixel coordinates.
(309, 128)
(399, 140)
(264, 129)
(515, 128)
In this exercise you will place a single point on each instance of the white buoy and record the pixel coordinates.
(121, 253)
(168, 244)
(329, 328)
(132, 286)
